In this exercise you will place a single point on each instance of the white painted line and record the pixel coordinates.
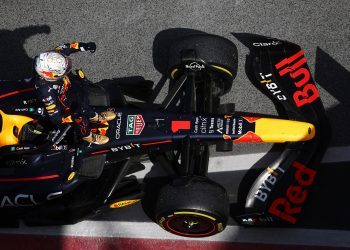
(230, 163)
(150, 230)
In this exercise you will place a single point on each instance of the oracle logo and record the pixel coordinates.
(307, 92)
(286, 208)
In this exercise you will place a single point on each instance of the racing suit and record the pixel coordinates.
(66, 101)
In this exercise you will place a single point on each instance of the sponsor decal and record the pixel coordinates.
(135, 125)
(21, 110)
(72, 162)
(272, 87)
(215, 125)
(159, 122)
(118, 125)
(306, 92)
(195, 66)
(30, 101)
(273, 43)
(240, 126)
(268, 183)
(288, 207)
(125, 203)
(203, 124)
(125, 147)
(219, 125)
(20, 162)
(25, 200)
(19, 148)
(257, 220)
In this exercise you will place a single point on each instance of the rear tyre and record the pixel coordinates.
(193, 207)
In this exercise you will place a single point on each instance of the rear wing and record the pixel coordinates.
(279, 69)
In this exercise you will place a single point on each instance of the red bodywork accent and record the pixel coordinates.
(251, 119)
(38, 178)
(248, 137)
(177, 125)
(16, 92)
(100, 152)
(157, 142)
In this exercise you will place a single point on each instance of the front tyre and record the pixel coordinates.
(193, 207)
(218, 52)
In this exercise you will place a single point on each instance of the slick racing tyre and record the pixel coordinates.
(193, 207)
(219, 53)
(162, 43)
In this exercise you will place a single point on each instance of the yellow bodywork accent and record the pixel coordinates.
(172, 74)
(198, 214)
(81, 74)
(67, 119)
(279, 131)
(223, 69)
(52, 106)
(8, 123)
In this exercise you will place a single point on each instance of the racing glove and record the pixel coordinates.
(88, 47)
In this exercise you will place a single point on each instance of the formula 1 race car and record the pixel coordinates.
(49, 176)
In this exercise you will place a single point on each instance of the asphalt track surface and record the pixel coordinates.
(124, 32)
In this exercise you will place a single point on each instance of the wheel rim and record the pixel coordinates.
(193, 225)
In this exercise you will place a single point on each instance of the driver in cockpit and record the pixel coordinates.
(65, 99)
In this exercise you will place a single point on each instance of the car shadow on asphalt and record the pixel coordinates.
(335, 79)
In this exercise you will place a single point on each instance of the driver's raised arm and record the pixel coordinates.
(73, 47)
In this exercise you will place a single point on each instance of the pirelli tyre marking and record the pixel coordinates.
(124, 203)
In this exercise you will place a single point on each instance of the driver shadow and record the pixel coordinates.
(15, 63)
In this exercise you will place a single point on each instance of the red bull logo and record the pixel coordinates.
(288, 207)
(306, 91)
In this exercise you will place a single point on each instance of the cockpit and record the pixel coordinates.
(16, 129)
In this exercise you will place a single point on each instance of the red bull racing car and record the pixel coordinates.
(49, 176)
